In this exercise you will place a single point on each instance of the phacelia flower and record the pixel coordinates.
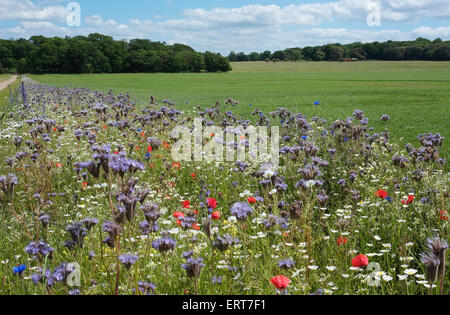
(128, 260)
(193, 267)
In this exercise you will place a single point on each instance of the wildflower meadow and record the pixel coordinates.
(92, 201)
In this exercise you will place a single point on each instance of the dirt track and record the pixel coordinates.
(4, 84)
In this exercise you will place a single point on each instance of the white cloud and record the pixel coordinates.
(27, 10)
(425, 31)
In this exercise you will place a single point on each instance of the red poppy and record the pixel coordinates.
(193, 175)
(342, 240)
(186, 204)
(149, 148)
(212, 203)
(444, 215)
(360, 261)
(196, 227)
(409, 200)
(251, 200)
(166, 145)
(382, 194)
(84, 184)
(142, 134)
(178, 214)
(215, 215)
(280, 282)
(58, 165)
(195, 211)
(105, 127)
(176, 165)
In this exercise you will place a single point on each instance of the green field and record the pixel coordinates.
(416, 94)
(4, 77)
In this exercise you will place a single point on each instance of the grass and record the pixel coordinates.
(4, 77)
(4, 94)
(415, 94)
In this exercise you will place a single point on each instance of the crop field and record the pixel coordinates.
(416, 94)
(93, 199)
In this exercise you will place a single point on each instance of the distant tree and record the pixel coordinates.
(414, 53)
(319, 56)
(97, 53)
(242, 57)
(232, 56)
(281, 55)
(394, 53)
(22, 66)
(265, 55)
(333, 52)
(309, 53)
(442, 52)
(2, 70)
(294, 54)
(254, 56)
(216, 63)
(357, 53)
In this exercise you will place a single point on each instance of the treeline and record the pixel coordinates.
(419, 49)
(98, 53)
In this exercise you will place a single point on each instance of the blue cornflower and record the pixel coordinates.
(345, 139)
(388, 199)
(305, 137)
(251, 104)
(19, 269)
(317, 103)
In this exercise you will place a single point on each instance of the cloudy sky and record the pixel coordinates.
(225, 25)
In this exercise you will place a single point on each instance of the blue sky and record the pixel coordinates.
(237, 25)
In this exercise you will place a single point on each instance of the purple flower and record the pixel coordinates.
(223, 242)
(193, 267)
(39, 249)
(241, 210)
(128, 260)
(90, 223)
(77, 232)
(216, 280)
(164, 244)
(146, 288)
(286, 263)
(113, 231)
